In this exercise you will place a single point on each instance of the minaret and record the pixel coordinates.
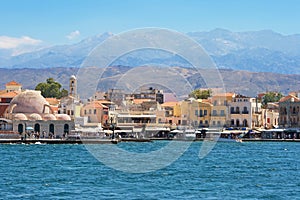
(73, 86)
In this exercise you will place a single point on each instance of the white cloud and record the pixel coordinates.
(73, 35)
(12, 42)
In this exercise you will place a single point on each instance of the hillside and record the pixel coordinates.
(244, 82)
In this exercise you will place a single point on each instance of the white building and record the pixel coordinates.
(245, 112)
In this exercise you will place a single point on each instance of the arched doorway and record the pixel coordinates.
(232, 122)
(20, 128)
(37, 128)
(245, 123)
(51, 130)
(237, 123)
(66, 128)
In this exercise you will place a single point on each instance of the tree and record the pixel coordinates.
(51, 88)
(271, 97)
(201, 94)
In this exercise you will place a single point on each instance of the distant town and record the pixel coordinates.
(149, 111)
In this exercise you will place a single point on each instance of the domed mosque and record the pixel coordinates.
(29, 111)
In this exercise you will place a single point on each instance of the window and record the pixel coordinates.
(201, 113)
(222, 113)
(95, 111)
(196, 112)
(214, 123)
(232, 110)
(85, 112)
(90, 111)
(201, 122)
(206, 122)
(214, 112)
(205, 112)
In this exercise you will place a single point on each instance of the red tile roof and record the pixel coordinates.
(11, 83)
(11, 94)
(287, 98)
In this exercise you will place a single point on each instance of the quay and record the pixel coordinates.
(58, 141)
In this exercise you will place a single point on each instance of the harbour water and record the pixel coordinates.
(254, 170)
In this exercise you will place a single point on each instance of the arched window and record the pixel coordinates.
(51, 129)
(245, 123)
(232, 122)
(37, 128)
(66, 128)
(237, 123)
(20, 128)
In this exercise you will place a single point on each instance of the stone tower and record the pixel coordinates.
(73, 86)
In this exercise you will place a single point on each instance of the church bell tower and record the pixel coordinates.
(73, 86)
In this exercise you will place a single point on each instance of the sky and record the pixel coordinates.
(53, 22)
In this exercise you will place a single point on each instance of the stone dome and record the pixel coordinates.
(63, 117)
(34, 117)
(20, 116)
(29, 101)
(49, 117)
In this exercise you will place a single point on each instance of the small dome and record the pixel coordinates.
(29, 101)
(49, 117)
(63, 117)
(73, 77)
(35, 117)
(20, 116)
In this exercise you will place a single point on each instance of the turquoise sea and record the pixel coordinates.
(253, 170)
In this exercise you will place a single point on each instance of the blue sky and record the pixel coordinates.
(65, 21)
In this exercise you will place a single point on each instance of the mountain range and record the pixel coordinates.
(255, 51)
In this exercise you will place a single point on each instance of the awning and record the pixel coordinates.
(29, 128)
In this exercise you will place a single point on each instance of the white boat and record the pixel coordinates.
(186, 134)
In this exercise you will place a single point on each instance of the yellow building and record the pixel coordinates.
(196, 113)
(169, 113)
(220, 110)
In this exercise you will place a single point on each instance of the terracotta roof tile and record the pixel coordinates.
(11, 94)
(286, 98)
(13, 83)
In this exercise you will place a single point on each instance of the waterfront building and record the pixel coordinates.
(196, 112)
(270, 115)
(220, 110)
(29, 111)
(289, 111)
(169, 114)
(95, 112)
(138, 112)
(245, 112)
